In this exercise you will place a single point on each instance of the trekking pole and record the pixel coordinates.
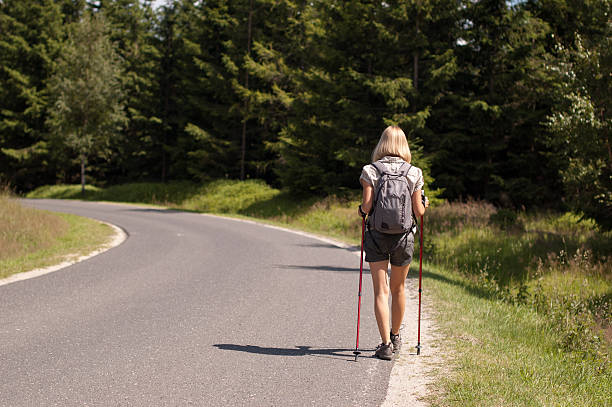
(418, 347)
(357, 352)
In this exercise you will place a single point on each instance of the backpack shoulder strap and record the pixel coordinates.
(404, 168)
(379, 167)
(381, 171)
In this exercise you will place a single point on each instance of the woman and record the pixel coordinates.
(381, 248)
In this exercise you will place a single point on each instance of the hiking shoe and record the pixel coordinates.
(396, 340)
(384, 351)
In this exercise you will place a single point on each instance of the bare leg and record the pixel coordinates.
(378, 270)
(398, 296)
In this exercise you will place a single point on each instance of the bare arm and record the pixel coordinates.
(366, 202)
(417, 205)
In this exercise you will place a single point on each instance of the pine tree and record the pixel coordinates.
(30, 33)
(487, 131)
(353, 85)
(280, 48)
(132, 29)
(199, 126)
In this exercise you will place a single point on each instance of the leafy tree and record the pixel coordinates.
(580, 126)
(86, 91)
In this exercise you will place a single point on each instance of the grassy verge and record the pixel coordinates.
(506, 354)
(534, 296)
(31, 238)
(525, 300)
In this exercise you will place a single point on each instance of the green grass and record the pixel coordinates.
(505, 354)
(533, 293)
(524, 299)
(31, 238)
(150, 193)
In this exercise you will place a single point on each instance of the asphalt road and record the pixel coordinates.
(191, 310)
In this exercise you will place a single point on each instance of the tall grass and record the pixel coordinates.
(554, 264)
(534, 296)
(23, 230)
(31, 238)
(506, 354)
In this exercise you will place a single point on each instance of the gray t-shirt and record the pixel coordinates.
(415, 174)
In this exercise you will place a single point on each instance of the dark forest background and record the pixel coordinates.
(502, 101)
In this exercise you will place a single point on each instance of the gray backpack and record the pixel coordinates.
(392, 207)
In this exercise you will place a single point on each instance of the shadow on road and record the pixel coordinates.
(334, 353)
(330, 246)
(155, 210)
(319, 268)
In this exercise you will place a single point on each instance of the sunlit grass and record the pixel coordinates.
(23, 230)
(505, 354)
(228, 197)
(550, 266)
(31, 238)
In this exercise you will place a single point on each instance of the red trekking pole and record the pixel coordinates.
(356, 352)
(418, 347)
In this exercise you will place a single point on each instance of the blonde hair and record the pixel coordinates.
(392, 142)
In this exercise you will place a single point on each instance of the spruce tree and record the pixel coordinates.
(200, 128)
(487, 130)
(30, 33)
(354, 84)
(132, 29)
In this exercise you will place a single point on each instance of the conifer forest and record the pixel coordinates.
(504, 101)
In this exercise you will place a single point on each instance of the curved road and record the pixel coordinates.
(190, 310)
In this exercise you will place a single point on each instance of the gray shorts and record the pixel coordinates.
(381, 246)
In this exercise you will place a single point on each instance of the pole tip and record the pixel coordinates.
(356, 353)
(418, 349)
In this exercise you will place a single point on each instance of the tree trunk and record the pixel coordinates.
(83, 174)
(609, 153)
(602, 113)
(415, 58)
(415, 78)
(246, 102)
(163, 174)
(415, 63)
(243, 149)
